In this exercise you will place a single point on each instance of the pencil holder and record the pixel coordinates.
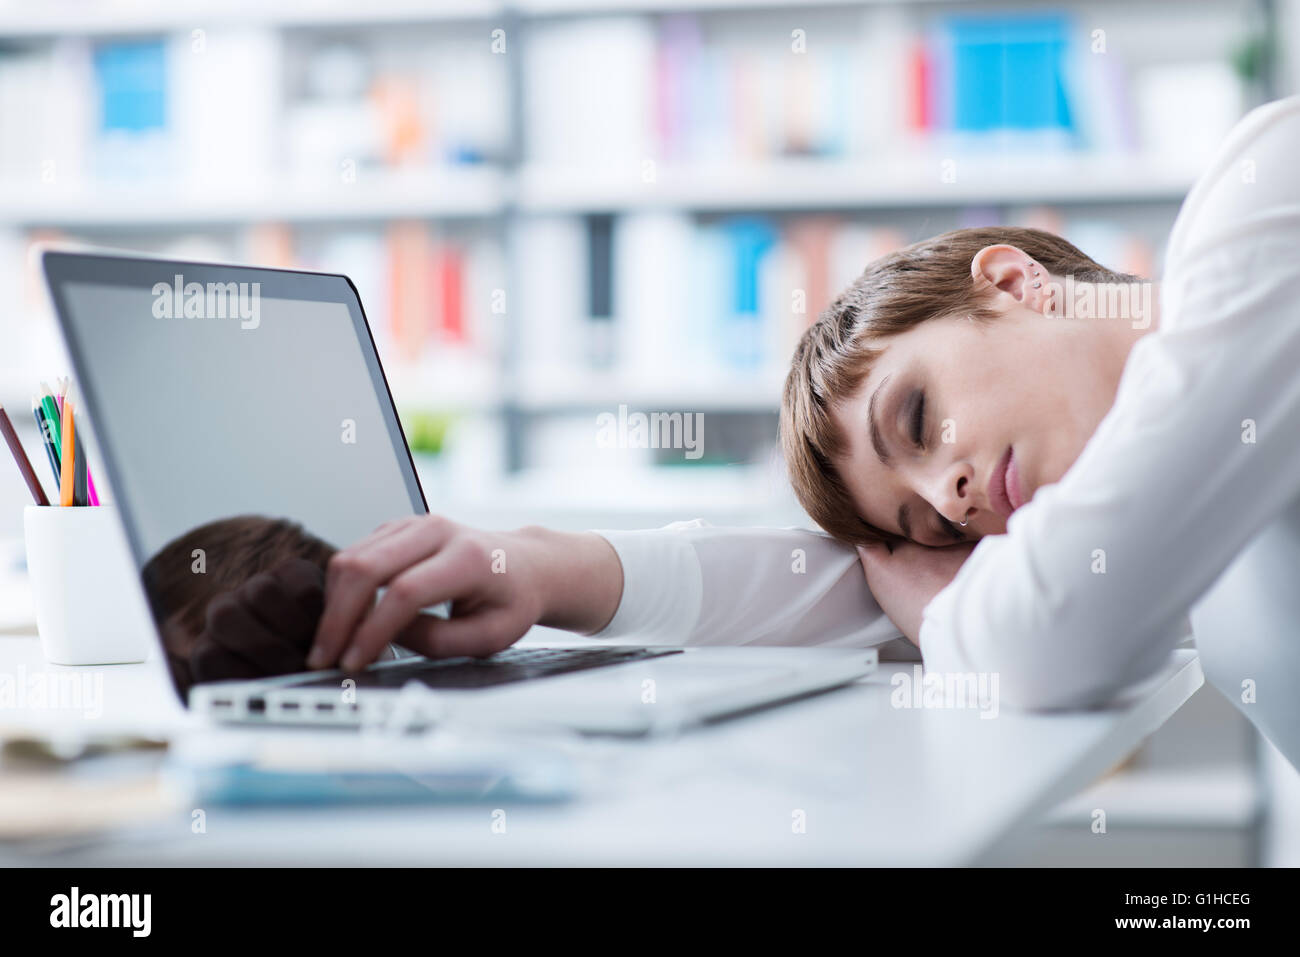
(90, 609)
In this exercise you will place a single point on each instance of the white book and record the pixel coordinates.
(652, 252)
(548, 305)
(224, 105)
(588, 93)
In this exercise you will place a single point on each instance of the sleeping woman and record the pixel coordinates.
(1047, 470)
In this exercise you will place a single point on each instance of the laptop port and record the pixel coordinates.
(324, 706)
(288, 706)
(257, 705)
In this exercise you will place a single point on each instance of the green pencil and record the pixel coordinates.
(52, 414)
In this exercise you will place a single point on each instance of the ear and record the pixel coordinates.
(1012, 271)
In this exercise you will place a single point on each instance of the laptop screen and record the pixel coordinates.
(246, 427)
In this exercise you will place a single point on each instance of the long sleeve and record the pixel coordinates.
(1089, 589)
(691, 583)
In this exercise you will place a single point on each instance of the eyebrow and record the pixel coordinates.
(878, 440)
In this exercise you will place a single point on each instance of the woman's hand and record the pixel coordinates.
(500, 584)
(904, 581)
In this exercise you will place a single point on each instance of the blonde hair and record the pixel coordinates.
(927, 280)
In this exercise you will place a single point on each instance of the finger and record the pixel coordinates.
(355, 574)
(404, 543)
(476, 635)
(234, 628)
(447, 576)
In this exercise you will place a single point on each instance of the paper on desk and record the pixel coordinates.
(41, 805)
(51, 787)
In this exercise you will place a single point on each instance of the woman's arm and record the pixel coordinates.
(692, 583)
(689, 583)
(1089, 588)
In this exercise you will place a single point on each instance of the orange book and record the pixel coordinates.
(410, 280)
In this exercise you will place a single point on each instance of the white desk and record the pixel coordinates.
(877, 785)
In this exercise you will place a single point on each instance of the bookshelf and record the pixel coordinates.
(441, 194)
(118, 18)
(530, 158)
(803, 184)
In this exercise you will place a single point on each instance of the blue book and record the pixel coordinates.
(749, 241)
(1008, 72)
(132, 83)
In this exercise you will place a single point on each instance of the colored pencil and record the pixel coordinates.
(67, 460)
(79, 471)
(47, 435)
(20, 457)
(65, 392)
(53, 416)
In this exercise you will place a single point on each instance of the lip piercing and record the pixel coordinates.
(1037, 284)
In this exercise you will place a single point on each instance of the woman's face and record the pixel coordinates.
(971, 419)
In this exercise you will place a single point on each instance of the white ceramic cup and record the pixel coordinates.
(90, 608)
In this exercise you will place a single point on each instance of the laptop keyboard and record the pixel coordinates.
(505, 667)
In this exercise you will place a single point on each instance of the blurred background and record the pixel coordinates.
(562, 210)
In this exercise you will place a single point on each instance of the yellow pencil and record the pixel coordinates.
(66, 464)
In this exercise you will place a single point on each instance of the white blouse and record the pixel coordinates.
(1195, 468)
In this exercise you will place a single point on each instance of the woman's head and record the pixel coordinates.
(939, 364)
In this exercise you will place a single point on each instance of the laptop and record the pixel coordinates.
(243, 415)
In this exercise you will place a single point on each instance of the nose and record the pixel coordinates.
(954, 492)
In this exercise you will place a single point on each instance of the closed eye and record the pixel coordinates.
(918, 421)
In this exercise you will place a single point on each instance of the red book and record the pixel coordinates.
(449, 266)
(920, 75)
